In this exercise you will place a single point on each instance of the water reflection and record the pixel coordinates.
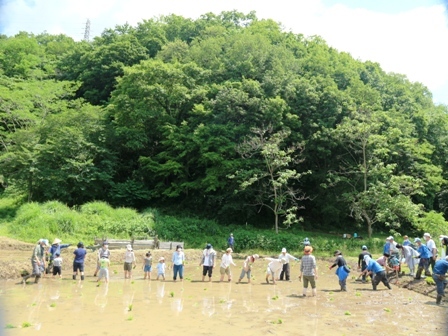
(160, 291)
(101, 297)
(208, 306)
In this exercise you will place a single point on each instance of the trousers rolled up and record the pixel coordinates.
(285, 272)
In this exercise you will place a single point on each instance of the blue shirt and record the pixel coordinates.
(406, 242)
(441, 267)
(56, 249)
(178, 258)
(386, 248)
(80, 254)
(374, 267)
(424, 252)
(231, 240)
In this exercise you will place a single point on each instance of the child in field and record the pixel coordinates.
(147, 266)
(247, 267)
(57, 265)
(274, 268)
(225, 265)
(161, 268)
(392, 264)
(104, 269)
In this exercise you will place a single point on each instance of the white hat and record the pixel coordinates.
(129, 247)
(390, 238)
(56, 241)
(161, 258)
(256, 256)
(427, 235)
(283, 250)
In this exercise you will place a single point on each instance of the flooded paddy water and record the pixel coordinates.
(192, 307)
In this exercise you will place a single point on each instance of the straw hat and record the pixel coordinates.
(229, 250)
(308, 249)
(56, 241)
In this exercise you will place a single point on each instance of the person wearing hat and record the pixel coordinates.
(129, 261)
(431, 245)
(247, 267)
(409, 256)
(361, 263)
(342, 271)
(208, 262)
(406, 241)
(55, 248)
(439, 276)
(379, 274)
(308, 270)
(274, 267)
(285, 273)
(103, 252)
(231, 242)
(178, 261)
(386, 246)
(424, 255)
(226, 261)
(37, 261)
(78, 262)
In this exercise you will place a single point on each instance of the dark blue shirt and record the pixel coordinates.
(80, 254)
(231, 241)
(441, 267)
(56, 249)
(374, 267)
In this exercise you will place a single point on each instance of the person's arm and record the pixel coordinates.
(295, 259)
(335, 263)
(315, 268)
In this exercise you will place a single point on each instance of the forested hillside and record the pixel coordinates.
(226, 117)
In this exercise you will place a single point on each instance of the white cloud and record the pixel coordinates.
(412, 42)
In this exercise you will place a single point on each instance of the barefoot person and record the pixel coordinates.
(208, 262)
(37, 261)
(274, 268)
(247, 267)
(226, 261)
(308, 270)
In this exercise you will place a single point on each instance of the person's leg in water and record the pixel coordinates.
(181, 273)
(305, 285)
(287, 271)
(282, 273)
(385, 281)
(375, 281)
(175, 271)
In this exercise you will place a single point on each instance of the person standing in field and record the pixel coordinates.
(78, 262)
(431, 245)
(409, 255)
(178, 261)
(104, 269)
(406, 241)
(226, 261)
(102, 252)
(308, 270)
(361, 263)
(129, 261)
(439, 276)
(208, 262)
(247, 267)
(161, 268)
(342, 270)
(274, 268)
(147, 266)
(55, 248)
(379, 274)
(57, 265)
(285, 273)
(231, 242)
(37, 261)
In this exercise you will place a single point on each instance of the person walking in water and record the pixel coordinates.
(78, 262)
(285, 273)
(37, 261)
(226, 261)
(342, 270)
(178, 263)
(379, 274)
(208, 262)
(308, 270)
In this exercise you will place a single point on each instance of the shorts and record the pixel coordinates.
(127, 266)
(309, 279)
(147, 268)
(223, 270)
(57, 270)
(103, 273)
(269, 271)
(78, 266)
(244, 272)
(207, 269)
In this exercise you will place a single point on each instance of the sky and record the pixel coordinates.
(404, 36)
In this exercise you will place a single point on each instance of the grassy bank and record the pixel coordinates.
(30, 221)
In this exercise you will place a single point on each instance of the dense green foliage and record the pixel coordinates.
(157, 116)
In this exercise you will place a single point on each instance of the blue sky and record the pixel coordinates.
(404, 36)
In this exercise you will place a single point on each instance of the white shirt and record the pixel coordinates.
(274, 266)
(129, 257)
(287, 257)
(226, 260)
(431, 245)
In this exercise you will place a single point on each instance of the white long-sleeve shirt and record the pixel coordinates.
(227, 260)
(275, 265)
(287, 257)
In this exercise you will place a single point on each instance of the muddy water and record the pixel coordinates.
(138, 307)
